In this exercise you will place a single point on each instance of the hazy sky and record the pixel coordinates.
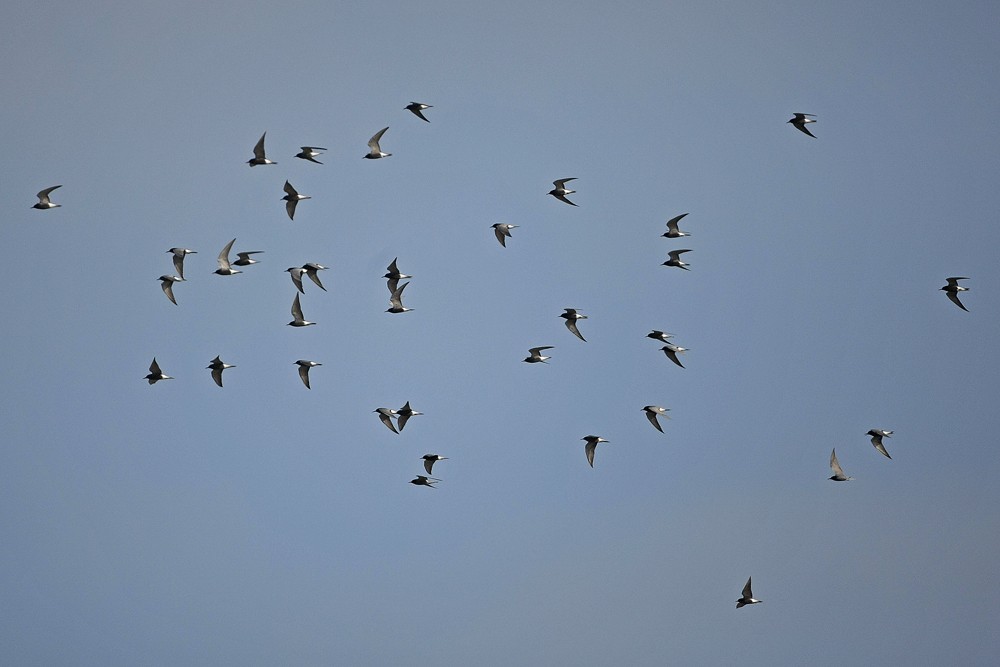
(266, 524)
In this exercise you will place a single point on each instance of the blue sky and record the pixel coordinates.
(264, 523)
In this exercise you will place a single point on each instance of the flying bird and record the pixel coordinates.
(310, 153)
(403, 414)
(386, 415)
(430, 460)
(218, 365)
(877, 434)
(155, 374)
(571, 316)
(179, 255)
(225, 268)
(748, 597)
(421, 480)
(43, 199)
(560, 191)
(374, 150)
(304, 366)
(535, 354)
(292, 199)
(502, 230)
(312, 270)
(416, 108)
(953, 288)
(296, 274)
(801, 120)
(396, 301)
(244, 258)
(672, 351)
(258, 154)
(661, 336)
(675, 259)
(393, 276)
(591, 446)
(167, 284)
(838, 472)
(297, 318)
(673, 231)
(652, 411)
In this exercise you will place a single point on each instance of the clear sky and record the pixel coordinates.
(266, 524)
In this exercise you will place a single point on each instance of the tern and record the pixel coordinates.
(430, 460)
(258, 154)
(155, 374)
(661, 336)
(296, 274)
(292, 199)
(675, 259)
(386, 415)
(298, 320)
(672, 351)
(535, 354)
(877, 434)
(396, 301)
(403, 414)
(179, 255)
(167, 284)
(374, 150)
(838, 472)
(953, 288)
(225, 269)
(304, 366)
(43, 199)
(591, 446)
(673, 231)
(560, 191)
(421, 480)
(652, 411)
(393, 276)
(312, 270)
(571, 316)
(801, 120)
(310, 153)
(244, 258)
(416, 108)
(502, 230)
(218, 365)
(748, 597)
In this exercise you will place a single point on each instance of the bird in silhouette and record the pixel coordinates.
(155, 374)
(673, 231)
(672, 351)
(178, 256)
(953, 288)
(403, 414)
(374, 150)
(591, 447)
(258, 154)
(800, 120)
(218, 365)
(421, 480)
(304, 366)
(386, 415)
(572, 316)
(430, 460)
(502, 231)
(416, 108)
(675, 259)
(652, 411)
(225, 268)
(167, 285)
(396, 301)
(747, 597)
(535, 354)
(394, 275)
(310, 153)
(44, 202)
(560, 191)
(877, 434)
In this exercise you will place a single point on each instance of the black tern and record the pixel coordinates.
(661, 336)
(292, 199)
(673, 231)
(571, 316)
(430, 460)
(502, 230)
(953, 288)
(167, 284)
(652, 411)
(304, 366)
(672, 351)
(386, 415)
(218, 365)
(801, 120)
(43, 199)
(374, 150)
(155, 374)
(396, 301)
(422, 480)
(416, 108)
(310, 153)
(675, 259)
(403, 414)
(179, 255)
(312, 270)
(393, 276)
(244, 258)
(535, 354)
(258, 154)
(225, 269)
(838, 472)
(877, 434)
(591, 446)
(297, 318)
(748, 597)
(560, 191)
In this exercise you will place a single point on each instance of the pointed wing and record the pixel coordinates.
(387, 420)
(296, 275)
(258, 150)
(217, 374)
(154, 368)
(571, 325)
(373, 142)
(290, 190)
(396, 300)
(651, 416)
(561, 183)
(747, 593)
(179, 264)
(955, 300)
(953, 282)
(43, 196)
(537, 351)
(562, 197)
(224, 255)
(297, 309)
(402, 419)
(428, 465)
(290, 208)
(590, 448)
(672, 222)
(801, 126)
(835, 464)
(877, 441)
(168, 289)
(500, 235)
(672, 355)
(314, 276)
(392, 268)
(304, 375)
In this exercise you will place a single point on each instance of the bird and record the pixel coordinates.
(560, 191)
(652, 411)
(535, 354)
(430, 460)
(43, 199)
(877, 434)
(225, 269)
(591, 446)
(502, 230)
(297, 318)
(179, 254)
(310, 153)
(167, 284)
(393, 276)
(801, 120)
(403, 414)
(374, 150)
(421, 480)
(218, 365)
(661, 336)
(155, 374)
(244, 258)
(673, 231)
(748, 597)
(672, 351)
(386, 415)
(304, 366)
(416, 108)
(675, 259)
(312, 270)
(571, 316)
(296, 274)
(258, 154)
(396, 301)
(292, 199)
(838, 472)
(953, 288)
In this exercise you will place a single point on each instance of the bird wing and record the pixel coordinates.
(955, 300)
(296, 275)
(290, 190)
(537, 351)
(672, 222)
(561, 183)
(428, 465)
(304, 374)
(396, 300)
(168, 289)
(387, 420)
(373, 142)
(801, 126)
(43, 196)
(290, 208)
(672, 355)
(562, 197)
(747, 593)
(835, 464)
(651, 416)
(500, 235)
(217, 375)
(877, 441)
(179, 265)
(297, 309)
(571, 325)
(224, 255)
(314, 276)
(154, 368)
(590, 448)
(258, 150)
(953, 282)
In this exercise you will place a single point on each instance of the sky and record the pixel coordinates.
(263, 523)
